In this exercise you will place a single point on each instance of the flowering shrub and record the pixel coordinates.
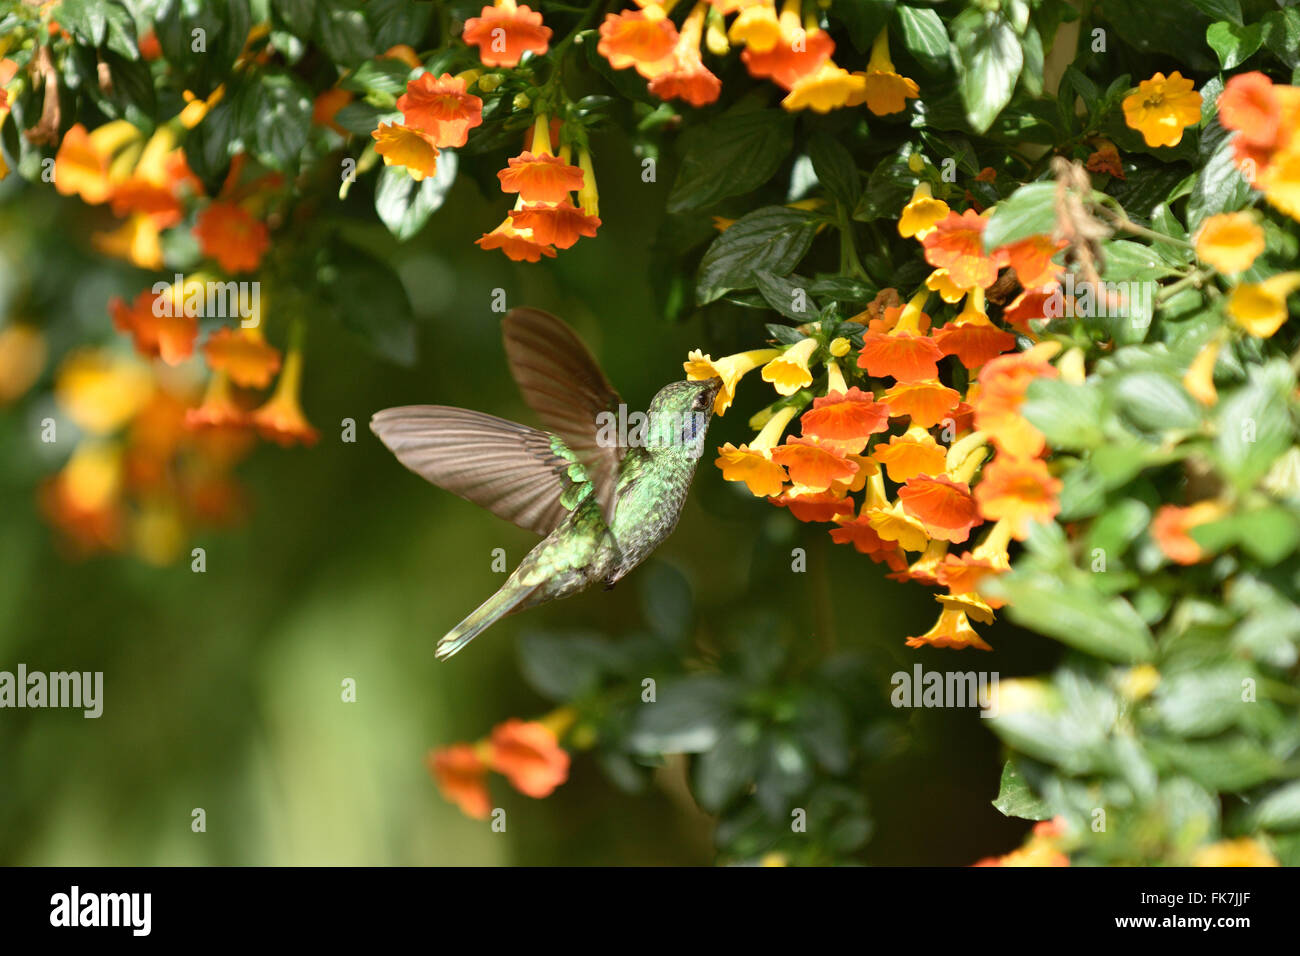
(1011, 277)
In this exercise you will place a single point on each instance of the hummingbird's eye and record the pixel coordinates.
(701, 401)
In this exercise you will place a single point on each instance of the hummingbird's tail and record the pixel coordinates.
(505, 600)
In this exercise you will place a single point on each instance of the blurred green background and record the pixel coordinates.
(222, 689)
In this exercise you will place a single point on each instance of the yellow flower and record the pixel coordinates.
(1138, 682)
(753, 463)
(920, 215)
(789, 371)
(884, 91)
(92, 477)
(22, 359)
(1243, 852)
(941, 282)
(1199, 380)
(730, 369)
(894, 524)
(1230, 241)
(757, 27)
(403, 146)
(1260, 308)
(824, 89)
(101, 390)
(1280, 180)
(136, 241)
(952, 629)
(1161, 108)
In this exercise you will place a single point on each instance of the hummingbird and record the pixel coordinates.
(602, 496)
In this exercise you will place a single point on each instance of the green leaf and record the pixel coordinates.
(405, 205)
(1068, 415)
(1068, 612)
(1282, 35)
(99, 23)
(1234, 43)
(734, 154)
(864, 19)
(728, 768)
(889, 187)
(689, 716)
(835, 168)
(987, 54)
(1219, 185)
(281, 120)
(368, 297)
(1029, 211)
(343, 32)
(1156, 402)
(788, 295)
(1221, 9)
(1280, 810)
(383, 75)
(398, 21)
(1015, 799)
(1254, 423)
(563, 667)
(772, 239)
(924, 37)
(298, 15)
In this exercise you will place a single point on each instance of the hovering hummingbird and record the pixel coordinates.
(603, 499)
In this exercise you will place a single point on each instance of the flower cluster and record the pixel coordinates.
(527, 753)
(790, 48)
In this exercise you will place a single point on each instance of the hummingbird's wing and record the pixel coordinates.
(562, 383)
(519, 473)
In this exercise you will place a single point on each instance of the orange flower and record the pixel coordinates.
(753, 463)
(1031, 257)
(441, 108)
(944, 506)
(281, 419)
(1028, 306)
(504, 32)
(885, 91)
(81, 166)
(560, 224)
(972, 337)
(957, 244)
(1020, 491)
(962, 575)
(812, 507)
(462, 778)
(798, 52)
(1003, 383)
(530, 757)
(231, 236)
(540, 177)
(170, 337)
(327, 105)
(1161, 108)
(1250, 106)
(911, 454)
(859, 533)
(403, 146)
(220, 409)
(1170, 527)
(845, 420)
(1230, 241)
(685, 76)
(517, 244)
(1105, 159)
(903, 352)
(242, 354)
(812, 465)
(953, 630)
(644, 40)
(926, 403)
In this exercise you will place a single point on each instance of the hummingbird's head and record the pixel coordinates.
(679, 417)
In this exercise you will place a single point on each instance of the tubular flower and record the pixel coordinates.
(685, 76)
(952, 629)
(1161, 108)
(921, 214)
(845, 420)
(1230, 241)
(326, 106)
(789, 371)
(1031, 257)
(641, 39)
(518, 244)
(1171, 526)
(461, 776)
(957, 244)
(101, 391)
(219, 408)
(963, 575)
(136, 241)
(859, 533)
(506, 31)
(559, 224)
(539, 175)
(939, 281)
(730, 368)
(925, 403)
(1260, 308)
(885, 90)
(243, 354)
(944, 506)
(812, 466)
(441, 108)
(824, 89)
(911, 454)
(753, 463)
(229, 234)
(403, 146)
(1003, 383)
(903, 352)
(281, 419)
(1199, 378)
(1019, 490)
(1029, 306)
(796, 54)
(155, 331)
(971, 336)
(757, 28)
(892, 523)
(82, 165)
(530, 756)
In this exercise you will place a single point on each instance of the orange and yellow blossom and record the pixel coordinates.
(752, 463)
(1171, 527)
(1160, 109)
(789, 371)
(643, 39)
(800, 50)
(730, 368)
(166, 333)
(972, 336)
(904, 352)
(683, 74)
(885, 91)
(538, 175)
(243, 354)
(442, 108)
(461, 774)
(913, 453)
(1230, 241)
(506, 31)
(1260, 307)
(529, 755)
(956, 243)
(920, 216)
(953, 630)
(281, 419)
(1020, 490)
(405, 146)
(1245, 851)
(229, 234)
